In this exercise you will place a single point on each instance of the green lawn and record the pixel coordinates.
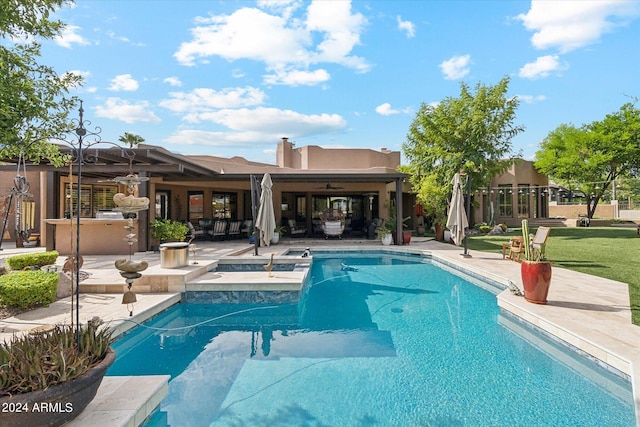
(611, 252)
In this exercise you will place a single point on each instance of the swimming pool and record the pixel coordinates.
(375, 340)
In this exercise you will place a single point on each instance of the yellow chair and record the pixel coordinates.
(515, 248)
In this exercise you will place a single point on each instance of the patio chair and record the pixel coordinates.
(195, 232)
(333, 228)
(295, 231)
(540, 239)
(219, 229)
(245, 228)
(234, 229)
(515, 248)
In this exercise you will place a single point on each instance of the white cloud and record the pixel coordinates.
(276, 120)
(123, 82)
(297, 77)
(217, 139)
(341, 31)
(327, 33)
(124, 39)
(530, 99)
(82, 73)
(173, 81)
(569, 25)
(285, 7)
(69, 36)
(386, 110)
(237, 73)
(120, 109)
(259, 126)
(204, 100)
(406, 26)
(456, 67)
(542, 67)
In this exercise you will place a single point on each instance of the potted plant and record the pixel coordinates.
(393, 226)
(166, 230)
(251, 233)
(384, 234)
(535, 269)
(277, 232)
(48, 378)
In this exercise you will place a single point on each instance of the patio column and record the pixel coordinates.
(399, 221)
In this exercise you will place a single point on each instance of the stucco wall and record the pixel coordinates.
(574, 211)
(312, 157)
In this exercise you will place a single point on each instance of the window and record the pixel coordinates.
(196, 207)
(224, 205)
(92, 199)
(505, 200)
(523, 201)
(162, 204)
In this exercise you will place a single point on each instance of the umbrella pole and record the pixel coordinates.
(466, 254)
(253, 213)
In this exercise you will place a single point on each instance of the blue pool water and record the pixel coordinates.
(374, 341)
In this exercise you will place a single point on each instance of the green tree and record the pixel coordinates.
(470, 134)
(131, 139)
(590, 158)
(34, 100)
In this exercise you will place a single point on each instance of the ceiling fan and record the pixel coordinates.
(329, 187)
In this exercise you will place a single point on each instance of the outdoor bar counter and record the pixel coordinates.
(97, 236)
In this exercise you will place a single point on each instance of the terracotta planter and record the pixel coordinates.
(406, 237)
(57, 404)
(536, 277)
(439, 232)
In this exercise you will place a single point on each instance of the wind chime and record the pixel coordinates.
(24, 208)
(130, 204)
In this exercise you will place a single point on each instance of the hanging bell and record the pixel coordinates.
(129, 297)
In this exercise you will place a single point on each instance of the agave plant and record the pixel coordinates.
(531, 253)
(37, 361)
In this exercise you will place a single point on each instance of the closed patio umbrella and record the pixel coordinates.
(266, 219)
(457, 219)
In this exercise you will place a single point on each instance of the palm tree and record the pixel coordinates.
(131, 138)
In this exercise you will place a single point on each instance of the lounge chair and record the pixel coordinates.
(295, 231)
(219, 229)
(234, 229)
(333, 228)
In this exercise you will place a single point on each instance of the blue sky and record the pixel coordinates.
(230, 78)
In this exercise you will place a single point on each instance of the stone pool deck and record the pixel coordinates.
(590, 313)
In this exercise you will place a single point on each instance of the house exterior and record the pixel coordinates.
(308, 181)
(520, 193)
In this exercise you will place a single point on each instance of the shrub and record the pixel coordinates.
(25, 289)
(484, 229)
(38, 259)
(35, 362)
(166, 229)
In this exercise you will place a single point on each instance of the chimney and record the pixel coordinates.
(283, 153)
